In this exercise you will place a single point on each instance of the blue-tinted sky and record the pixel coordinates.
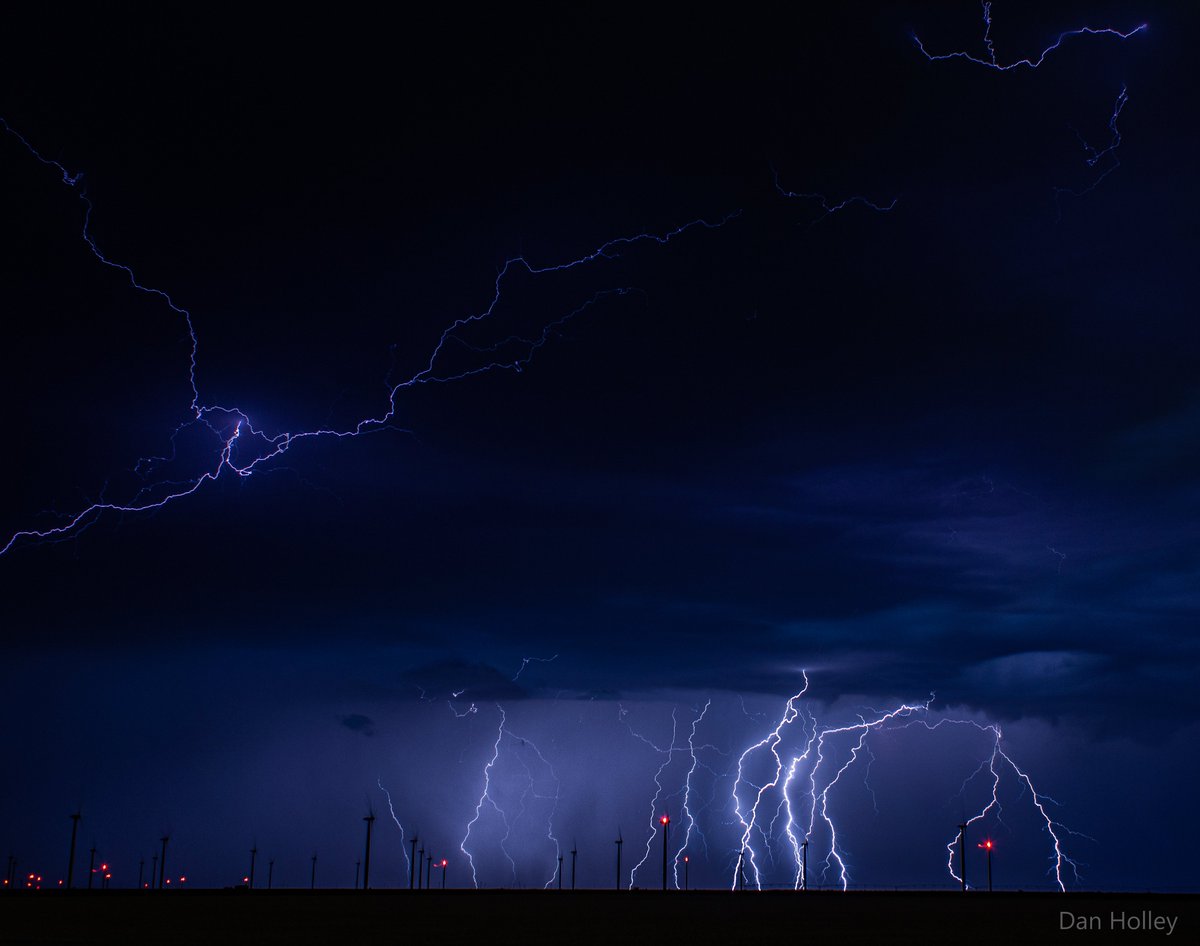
(945, 448)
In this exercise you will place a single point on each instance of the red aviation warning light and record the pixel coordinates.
(664, 820)
(987, 846)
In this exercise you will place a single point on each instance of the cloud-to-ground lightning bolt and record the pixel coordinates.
(395, 818)
(669, 754)
(812, 762)
(799, 877)
(821, 801)
(555, 798)
(1032, 62)
(828, 206)
(485, 797)
(814, 765)
(531, 790)
(1059, 859)
(771, 742)
(242, 447)
(687, 809)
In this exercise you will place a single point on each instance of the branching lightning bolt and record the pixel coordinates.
(485, 796)
(687, 809)
(242, 447)
(531, 790)
(669, 753)
(771, 742)
(813, 764)
(1095, 157)
(554, 798)
(821, 801)
(1059, 859)
(1032, 63)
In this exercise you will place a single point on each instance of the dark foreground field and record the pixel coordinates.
(611, 917)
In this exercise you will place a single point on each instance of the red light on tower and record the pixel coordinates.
(183, 880)
(444, 862)
(987, 846)
(665, 821)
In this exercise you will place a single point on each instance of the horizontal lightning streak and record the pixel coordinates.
(1032, 63)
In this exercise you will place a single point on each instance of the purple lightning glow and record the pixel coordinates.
(532, 789)
(823, 779)
(1032, 63)
(790, 792)
(1059, 860)
(485, 796)
(659, 802)
(669, 753)
(821, 800)
(688, 811)
(529, 791)
(241, 447)
(771, 742)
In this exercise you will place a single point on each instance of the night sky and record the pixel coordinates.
(948, 448)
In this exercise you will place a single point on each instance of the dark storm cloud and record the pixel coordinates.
(356, 722)
(950, 448)
(461, 680)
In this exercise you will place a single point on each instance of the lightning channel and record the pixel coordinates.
(1032, 62)
(240, 447)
